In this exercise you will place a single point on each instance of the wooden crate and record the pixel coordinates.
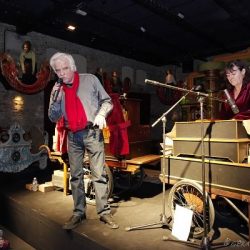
(232, 150)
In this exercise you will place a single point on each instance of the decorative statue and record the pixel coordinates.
(27, 60)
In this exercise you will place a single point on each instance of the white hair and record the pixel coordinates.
(62, 56)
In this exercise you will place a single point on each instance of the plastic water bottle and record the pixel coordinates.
(34, 184)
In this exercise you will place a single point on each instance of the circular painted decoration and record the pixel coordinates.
(16, 156)
(15, 137)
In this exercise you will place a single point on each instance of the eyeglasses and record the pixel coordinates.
(232, 72)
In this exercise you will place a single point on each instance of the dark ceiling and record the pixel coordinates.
(175, 31)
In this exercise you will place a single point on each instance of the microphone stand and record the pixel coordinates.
(151, 82)
(164, 221)
(205, 242)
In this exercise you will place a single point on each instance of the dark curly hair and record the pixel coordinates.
(28, 43)
(240, 65)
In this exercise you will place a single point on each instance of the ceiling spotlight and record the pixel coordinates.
(142, 29)
(180, 15)
(81, 12)
(71, 27)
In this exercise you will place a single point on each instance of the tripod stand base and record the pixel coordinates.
(164, 222)
(185, 243)
(204, 244)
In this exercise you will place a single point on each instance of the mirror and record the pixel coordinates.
(11, 74)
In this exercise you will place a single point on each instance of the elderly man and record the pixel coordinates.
(84, 105)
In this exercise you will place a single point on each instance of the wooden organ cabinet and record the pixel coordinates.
(138, 134)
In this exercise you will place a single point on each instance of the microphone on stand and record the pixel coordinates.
(56, 93)
(199, 88)
(231, 102)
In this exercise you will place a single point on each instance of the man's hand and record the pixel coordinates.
(100, 121)
(57, 92)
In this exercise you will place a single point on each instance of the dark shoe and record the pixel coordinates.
(73, 222)
(107, 218)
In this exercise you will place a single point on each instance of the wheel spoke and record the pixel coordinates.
(189, 194)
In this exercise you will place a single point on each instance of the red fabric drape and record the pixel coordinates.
(118, 142)
(61, 143)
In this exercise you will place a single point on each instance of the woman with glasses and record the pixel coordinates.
(237, 74)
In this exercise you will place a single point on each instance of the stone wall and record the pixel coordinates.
(31, 111)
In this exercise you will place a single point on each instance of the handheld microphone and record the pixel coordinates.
(56, 93)
(231, 102)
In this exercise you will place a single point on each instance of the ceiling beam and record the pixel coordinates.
(157, 8)
(234, 14)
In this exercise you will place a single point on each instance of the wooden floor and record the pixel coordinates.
(15, 242)
(37, 218)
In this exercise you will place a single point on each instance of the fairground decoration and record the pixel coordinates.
(11, 74)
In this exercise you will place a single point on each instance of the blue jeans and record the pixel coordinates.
(92, 141)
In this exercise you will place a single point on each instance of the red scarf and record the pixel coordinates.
(76, 115)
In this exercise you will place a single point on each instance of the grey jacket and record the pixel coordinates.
(94, 98)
